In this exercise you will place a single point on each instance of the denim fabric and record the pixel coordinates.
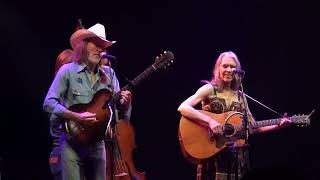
(72, 86)
(77, 162)
(55, 162)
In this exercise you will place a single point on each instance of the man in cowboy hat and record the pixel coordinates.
(77, 83)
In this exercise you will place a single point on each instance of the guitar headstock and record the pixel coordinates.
(300, 120)
(164, 60)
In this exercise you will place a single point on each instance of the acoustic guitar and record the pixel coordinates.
(86, 134)
(198, 143)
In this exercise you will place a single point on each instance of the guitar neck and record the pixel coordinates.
(263, 123)
(161, 61)
(137, 80)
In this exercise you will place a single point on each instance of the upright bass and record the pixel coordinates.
(121, 166)
(122, 135)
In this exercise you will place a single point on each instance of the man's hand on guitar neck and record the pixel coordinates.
(126, 98)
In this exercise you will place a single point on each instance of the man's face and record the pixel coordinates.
(93, 52)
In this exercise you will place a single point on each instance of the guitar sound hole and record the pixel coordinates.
(228, 129)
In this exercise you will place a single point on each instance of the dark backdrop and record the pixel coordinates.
(276, 42)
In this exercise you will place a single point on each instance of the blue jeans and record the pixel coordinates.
(80, 162)
(55, 163)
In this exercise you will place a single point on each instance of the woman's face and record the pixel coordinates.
(226, 68)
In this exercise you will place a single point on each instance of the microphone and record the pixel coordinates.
(240, 72)
(108, 56)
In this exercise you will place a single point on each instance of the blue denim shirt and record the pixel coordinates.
(72, 86)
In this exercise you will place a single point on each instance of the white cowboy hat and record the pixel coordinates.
(97, 31)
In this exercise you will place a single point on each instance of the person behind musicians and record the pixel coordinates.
(76, 83)
(55, 125)
(221, 95)
(64, 57)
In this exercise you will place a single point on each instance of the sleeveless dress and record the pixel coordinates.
(230, 160)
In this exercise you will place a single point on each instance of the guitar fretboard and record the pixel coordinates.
(135, 82)
(264, 123)
(139, 78)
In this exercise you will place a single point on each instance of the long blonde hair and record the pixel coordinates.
(216, 79)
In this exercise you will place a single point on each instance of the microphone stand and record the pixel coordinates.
(245, 120)
(245, 123)
(111, 126)
(233, 148)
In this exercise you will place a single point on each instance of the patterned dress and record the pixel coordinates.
(230, 160)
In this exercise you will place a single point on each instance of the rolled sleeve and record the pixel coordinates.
(52, 103)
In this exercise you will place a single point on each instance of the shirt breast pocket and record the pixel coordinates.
(80, 96)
